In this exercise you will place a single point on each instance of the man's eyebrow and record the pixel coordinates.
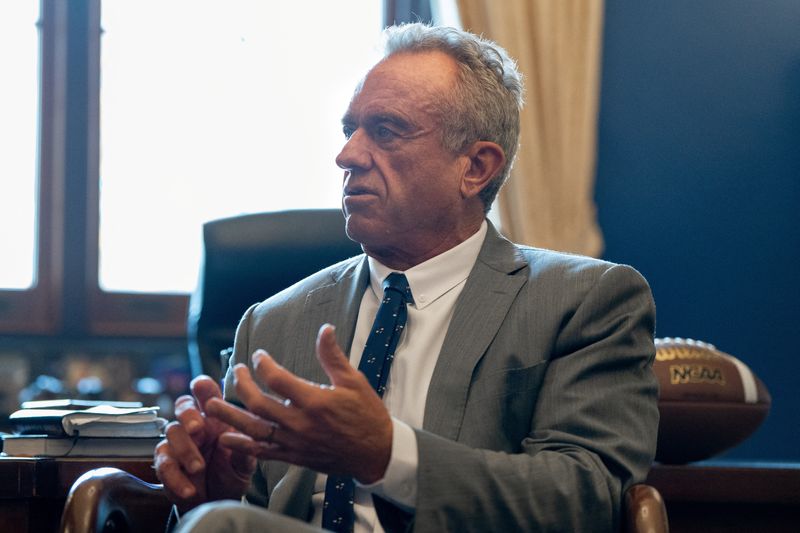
(391, 118)
(377, 118)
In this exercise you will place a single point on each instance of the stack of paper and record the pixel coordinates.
(98, 421)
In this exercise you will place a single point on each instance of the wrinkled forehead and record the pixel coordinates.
(410, 76)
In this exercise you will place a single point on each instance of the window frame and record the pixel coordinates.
(38, 310)
(66, 299)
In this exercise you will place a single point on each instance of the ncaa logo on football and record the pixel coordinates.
(682, 374)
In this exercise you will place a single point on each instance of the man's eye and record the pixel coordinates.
(382, 132)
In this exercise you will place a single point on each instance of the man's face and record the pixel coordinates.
(401, 192)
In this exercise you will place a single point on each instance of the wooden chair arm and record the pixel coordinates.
(109, 499)
(645, 511)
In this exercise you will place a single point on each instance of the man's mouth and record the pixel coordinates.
(356, 191)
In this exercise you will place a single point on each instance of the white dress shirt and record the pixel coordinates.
(435, 287)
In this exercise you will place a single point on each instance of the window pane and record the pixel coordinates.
(19, 91)
(212, 109)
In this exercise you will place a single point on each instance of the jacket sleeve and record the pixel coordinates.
(592, 433)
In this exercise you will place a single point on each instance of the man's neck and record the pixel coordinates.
(402, 259)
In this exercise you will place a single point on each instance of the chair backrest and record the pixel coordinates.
(249, 258)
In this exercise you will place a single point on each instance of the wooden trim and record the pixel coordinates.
(129, 314)
(729, 483)
(37, 310)
(24, 312)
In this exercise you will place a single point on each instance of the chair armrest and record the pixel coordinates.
(114, 500)
(109, 499)
(645, 511)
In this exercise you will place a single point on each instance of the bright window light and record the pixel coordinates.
(213, 109)
(19, 92)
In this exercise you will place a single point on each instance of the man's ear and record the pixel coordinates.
(486, 159)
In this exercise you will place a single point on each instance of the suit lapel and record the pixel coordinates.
(480, 310)
(338, 304)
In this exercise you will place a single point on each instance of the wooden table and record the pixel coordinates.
(730, 497)
(33, 490)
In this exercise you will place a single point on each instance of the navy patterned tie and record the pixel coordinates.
(376, 361)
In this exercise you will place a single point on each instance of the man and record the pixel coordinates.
(521, 394)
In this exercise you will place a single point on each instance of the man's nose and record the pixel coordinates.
(355, 153)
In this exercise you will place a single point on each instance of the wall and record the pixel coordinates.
(699, 181)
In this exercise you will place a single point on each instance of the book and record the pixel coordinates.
(98, 421)
(74, 404)
(49, 446)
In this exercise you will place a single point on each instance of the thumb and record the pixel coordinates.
(333, 360)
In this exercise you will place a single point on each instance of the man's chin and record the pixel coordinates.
(362, 229)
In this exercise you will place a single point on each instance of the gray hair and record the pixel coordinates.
(488, 93)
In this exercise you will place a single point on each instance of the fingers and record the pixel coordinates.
(190, 432)
(287, 385)
(246, 446)
(278, 379)
(331, 357)
(184, 448)
(189, 409)
(189, 415)
(169, 469)
(245, 421)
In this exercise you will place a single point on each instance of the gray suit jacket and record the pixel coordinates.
(542, 406)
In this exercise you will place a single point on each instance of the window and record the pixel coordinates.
(156, 116)
(19, 56)
(217, 112)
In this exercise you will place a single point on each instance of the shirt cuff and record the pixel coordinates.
(399, 483)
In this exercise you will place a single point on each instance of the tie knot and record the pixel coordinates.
(398, 282)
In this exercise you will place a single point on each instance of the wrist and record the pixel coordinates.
(374, 468)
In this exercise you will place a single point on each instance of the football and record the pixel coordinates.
(709, 401)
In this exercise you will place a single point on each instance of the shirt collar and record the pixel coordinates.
(436, 276)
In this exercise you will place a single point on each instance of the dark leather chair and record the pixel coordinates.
(249, 258)
(109, 500)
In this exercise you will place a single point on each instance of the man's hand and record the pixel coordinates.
(191, 462)
(343, 428)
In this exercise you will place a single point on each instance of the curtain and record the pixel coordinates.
(548, 200)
